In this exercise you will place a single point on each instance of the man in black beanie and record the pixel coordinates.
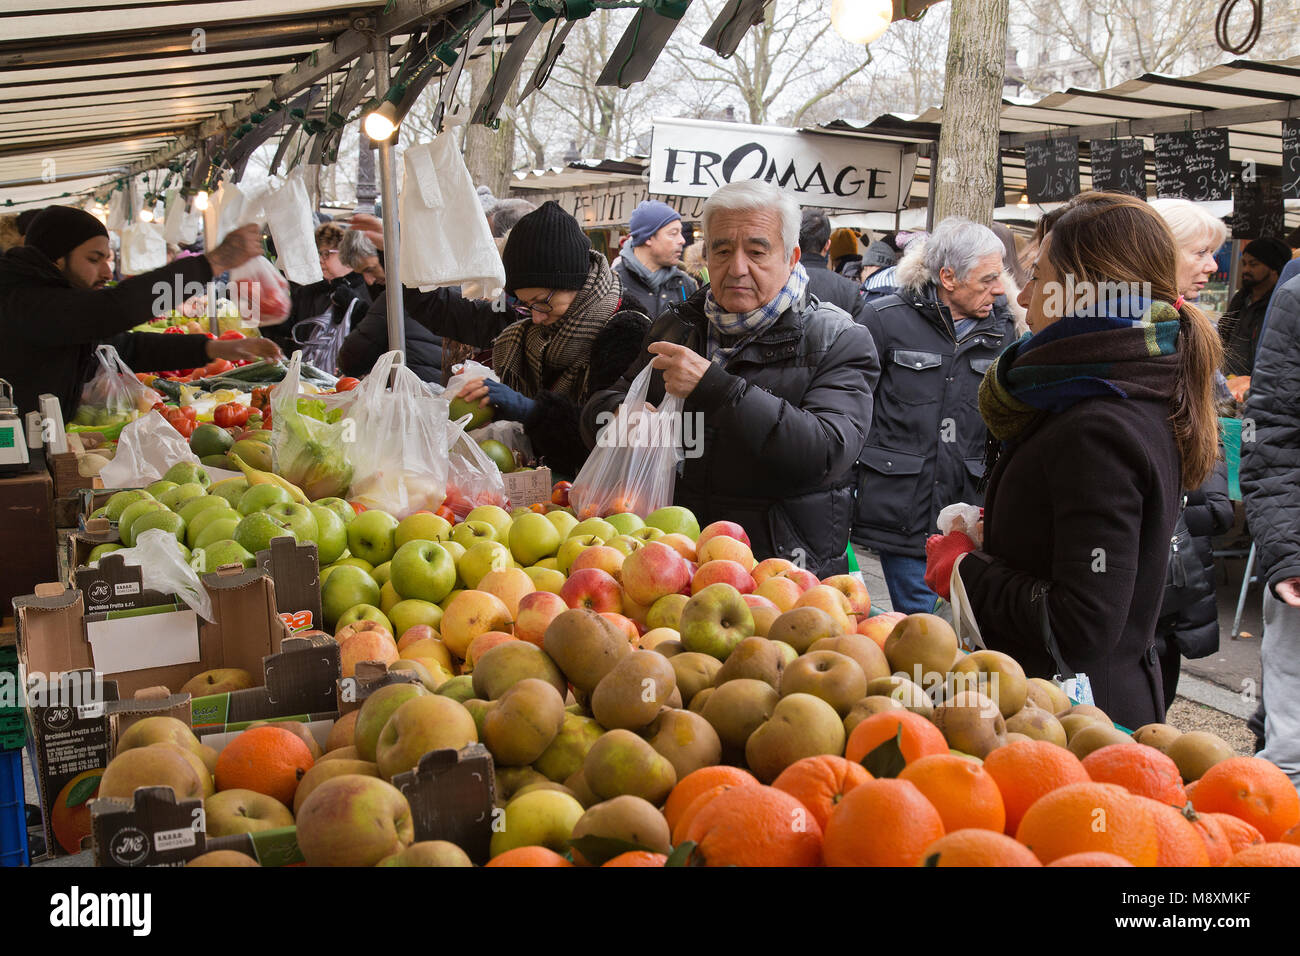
(1262, 261)
(54, 308)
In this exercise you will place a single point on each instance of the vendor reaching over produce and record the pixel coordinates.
(55, 308)
(781, 383)
(567, 338)
(1100, 418)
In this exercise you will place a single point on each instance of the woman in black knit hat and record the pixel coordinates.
(566, 337)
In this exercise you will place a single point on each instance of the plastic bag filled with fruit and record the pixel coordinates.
(260, 292)
(399, 449)
(633, 467)
(114, 395)
(314, 453)
(146, 449)
(473, 479)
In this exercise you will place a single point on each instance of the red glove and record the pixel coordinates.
(941, 553)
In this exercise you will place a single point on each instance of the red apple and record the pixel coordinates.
(780, 590)
(679, 543)
(724, 548)
(536, 611)
(853, 589)
(651, 572)
(757, 600)
(481, 645)
(729, 528)
(722, 571)
(416, 632)
(357, 627)
(594, 589)
(626, 625)
(805, 579)
(880, 627)
(600, 556)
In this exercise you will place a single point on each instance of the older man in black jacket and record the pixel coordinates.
(781, 385)
(1270, 483)
(936, 337)
(827, 285)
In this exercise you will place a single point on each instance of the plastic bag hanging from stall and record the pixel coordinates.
(260, 292)
(633, 467)
(288, 216)
(143, 248)
(311, 445)
(445, 236)
(400, 451)
(113, 396)
(146, 448)
(473, 479)
(163, 569)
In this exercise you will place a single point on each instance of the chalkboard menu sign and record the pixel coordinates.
(1119, 166)
(1000, 189)
(1257, 210)
(1052, 169)
(1193, 165)
(1291, 159)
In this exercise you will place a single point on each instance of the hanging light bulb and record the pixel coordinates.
(1024, 201)
(201, 200)
(861, 21)
(381, 123)
(146, 214)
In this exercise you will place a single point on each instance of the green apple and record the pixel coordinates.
(372, 536)
(185, 552)
(325, 573)
(176, 496)
(674, 519)
(99, 550)
(331, 534)
(232, 489)
(571, 548)
(346, 587)
(364, 612)
(256, 531)
(299, 518)
(423, 570)
(207, 559)
(199, 523)
(159, 486)
(469, 533)
(647, 533)
(516, 512)
(388, 597)
(161, 519)
(601, 528)
(261, 497)
(98, 513)
(564, 521)
(532, 538)
(538, 818)
(132, 513)
(357, 563)
(496, 516)
(407, 614)
(626, 543)
(546, 579)
(185, 472)
(479, 560)
(422, 526)
(191, 509)
(222, 528)
(118, 502)
(715, 620)
(382, 573)
(626, 522)
(450, 597)
(340, 508)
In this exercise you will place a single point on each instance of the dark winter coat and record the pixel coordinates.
(49, 329)
(1270, 465)
(1239, 331)
(317, 298)
(1084, 502)
(552, 427)
(926, 446)
(1194, 628)
(369, 339)
(783, 422)
(676, 289)
(832, 287)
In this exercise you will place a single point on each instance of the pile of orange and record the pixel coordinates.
(268, 759)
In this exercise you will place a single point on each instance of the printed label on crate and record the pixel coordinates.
(129, 846)
(88, 711)
(126, 588)
(174, 839)
(297, 620)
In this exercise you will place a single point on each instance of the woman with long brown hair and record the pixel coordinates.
(1098, 419)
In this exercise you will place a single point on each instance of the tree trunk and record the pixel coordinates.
(489, 153)
(972, 100)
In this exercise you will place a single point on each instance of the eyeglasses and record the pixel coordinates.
(543, 307)
(326, 253)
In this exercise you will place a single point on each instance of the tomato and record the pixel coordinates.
(159, 407)
(357, 506)
(190, 412)
(186, 427)
(173, 330)
(217, 366)
(231, 414)
(231, 335)
(446, 513)
(346, 384)
(560, 492)
(210, 335)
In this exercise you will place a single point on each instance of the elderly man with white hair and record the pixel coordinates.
(936, 336)
(780, 382)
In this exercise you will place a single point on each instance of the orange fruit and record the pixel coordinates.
(687, 816)
(820, 783)
(270, 760)
(529, 856)
(961, 790)
(1236, 831)
(1093, 858)
(974, 847)
(638, 858)
(1026, 770)
(881, 823)
(1211, 832)
(1090, 816)
(1253, 790)
(70, 813)
(920, 737)
(1140, 770)
(1179, 843)
(696, 782)
(755, 826)
(1292, 836)
(1267, 854)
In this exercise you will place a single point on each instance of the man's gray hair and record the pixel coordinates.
(753, 195)
(355, 248)
(959, 244)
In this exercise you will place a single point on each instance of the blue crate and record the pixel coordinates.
(13, 810)
(13, 729)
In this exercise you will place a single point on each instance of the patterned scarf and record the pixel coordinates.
(532, 358)
(1080, 357)
(744, 327)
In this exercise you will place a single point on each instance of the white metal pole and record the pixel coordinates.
(388, 190)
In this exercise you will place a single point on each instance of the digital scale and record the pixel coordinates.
(16, 434)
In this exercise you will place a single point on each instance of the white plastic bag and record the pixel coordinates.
(288, 216)
(312, 453)
(143, 248)
(115, 219)
(970, 516)
(473, 479)
(634, 464)
(445, 236)
(466, 373)
(228, 208)
(260, 292)
(181, 224)
(400, 448)
(145, 450)
(164, 570)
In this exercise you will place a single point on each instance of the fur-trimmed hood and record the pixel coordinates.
(913, 277)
